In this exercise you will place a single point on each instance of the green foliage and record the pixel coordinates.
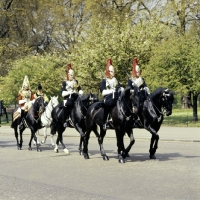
(117, 40)
(176, 60)
(47, 70)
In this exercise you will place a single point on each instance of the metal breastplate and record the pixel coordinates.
(138, 81)
(71, 86)
(111, 83)
(26, 94)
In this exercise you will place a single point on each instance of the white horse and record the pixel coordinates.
(46, 118)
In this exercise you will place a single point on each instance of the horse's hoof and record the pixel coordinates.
(30, 149)
(39, 150)
(66, 151)
(42, 142)
(53, 145)
(81, 152)
(105, 157)
(86, 156)
(121, 160)
(152, 157)
(56, 150)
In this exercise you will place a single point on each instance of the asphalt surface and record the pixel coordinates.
(175, 174)
(165, 133)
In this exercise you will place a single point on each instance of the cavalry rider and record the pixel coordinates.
(41, 93)
(70, 91)
(25, 99)
(109, 89)
(136, 78)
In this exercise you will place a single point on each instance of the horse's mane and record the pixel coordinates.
(157, 92)
(125, 92)
(85, 97)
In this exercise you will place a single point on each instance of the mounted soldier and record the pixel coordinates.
(70, 91)
(25, 99)
(109, 89)
(136, 78)
(41, 93)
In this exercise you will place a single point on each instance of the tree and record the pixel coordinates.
(47, 70)
(177, 60)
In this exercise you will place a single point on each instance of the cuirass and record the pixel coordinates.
(71, 85)
(26, 94)
(111, 83)
(138, 81)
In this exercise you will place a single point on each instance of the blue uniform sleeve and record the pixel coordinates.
(102, 85)
(63, 87)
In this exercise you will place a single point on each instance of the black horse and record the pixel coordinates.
(151, 116)
(126, 106)
(78, 115)
(31, 120)
(77, 119)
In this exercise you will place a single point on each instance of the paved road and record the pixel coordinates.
(175, 174)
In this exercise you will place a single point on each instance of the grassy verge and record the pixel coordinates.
(179, 118)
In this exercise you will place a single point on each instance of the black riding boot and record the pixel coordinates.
(23, 115)
(66, 116)
(105, 117)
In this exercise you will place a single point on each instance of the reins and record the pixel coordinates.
(122, 111)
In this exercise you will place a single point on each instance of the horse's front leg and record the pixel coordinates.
(33, 136)
(132, 141)
(85, 144)
(100, 140)
(21, 137)
(82, 135)
(56, 146)
(37, 142)
(60, 136)
(45, 135)
(16, 136)
(120, 145)
(52, 141)
(153, 145)
(80, 145)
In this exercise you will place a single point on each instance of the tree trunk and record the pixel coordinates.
(186, 101)
(195, 114)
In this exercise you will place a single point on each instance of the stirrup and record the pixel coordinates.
(20, 126)
(65, 124)
(106, 126)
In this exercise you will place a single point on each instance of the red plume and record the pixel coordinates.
(109, 62)
(135, 62)
(69, 66)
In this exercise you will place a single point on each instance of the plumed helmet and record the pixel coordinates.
(26, 83)
(39, 86)
(69, 70)
(135, 68)
(109, 67)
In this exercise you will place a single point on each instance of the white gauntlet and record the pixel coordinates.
(65, 93)
(106, 92)
(80, 92)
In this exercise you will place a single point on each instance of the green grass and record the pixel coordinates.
(179, 118)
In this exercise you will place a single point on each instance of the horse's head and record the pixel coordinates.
(39, 104)
(167, 101)
(93, 98)
(54, 101)
(131, 96)
(137, 97)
